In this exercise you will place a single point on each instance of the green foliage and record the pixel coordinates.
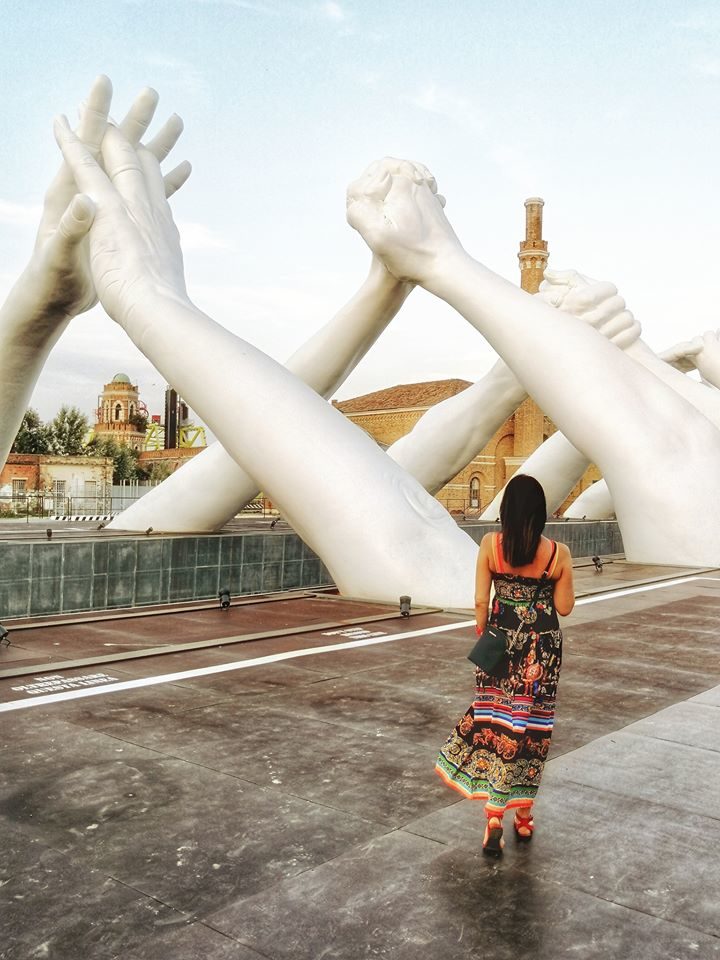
(65, 436)
(33, 436)
(158, 471)
(125, 465)
(68, 431)
(125, 459)
(139, 421)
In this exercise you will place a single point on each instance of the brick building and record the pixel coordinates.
(121, 415)
(42, 482)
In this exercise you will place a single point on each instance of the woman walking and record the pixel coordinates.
(498, 749)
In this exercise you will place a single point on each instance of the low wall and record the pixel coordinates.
(65, 576)
(585, 538)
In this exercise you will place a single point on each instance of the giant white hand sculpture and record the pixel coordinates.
(556, 463)
(658, 453)
(211, 488)
(394, 538)
(56, 284)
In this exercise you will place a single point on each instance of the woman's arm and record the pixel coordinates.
(483, 582)
(564, 588)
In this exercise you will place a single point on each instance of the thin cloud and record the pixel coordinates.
(272, 10)
(19, 214)
(707, 68)
(198, 237)
(185, 73)
(698, 23)
(446, 103)
(333, 11)
(514, 164)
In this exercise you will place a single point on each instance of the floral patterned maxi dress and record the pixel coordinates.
(498, 748)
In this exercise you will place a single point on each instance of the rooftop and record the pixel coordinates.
(404, 396)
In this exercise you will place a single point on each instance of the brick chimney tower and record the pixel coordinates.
(533, 257)
(533, 254)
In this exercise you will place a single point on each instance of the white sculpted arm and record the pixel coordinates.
(623, 417)
(211, 488)
(450, 434)
(395, 538)
(578, 295)
(557, 464)
(56, 285)
(595, 503)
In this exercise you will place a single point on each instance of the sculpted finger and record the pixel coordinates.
(564, 278)
(427, 176)
(154, 181)
(176, 178)
(139, 116)
(89, 176)
(582, 299)
(362, 214)
(620, 326)
(677, 355)
(123, 165)
(555, 285)
(629, 335)
(374, 183)
(599, 314)
(94, 114)
(75, 223)
(411, 170)
(375, 180)
(166, 138)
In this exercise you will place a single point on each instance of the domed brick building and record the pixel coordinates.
(121, 415)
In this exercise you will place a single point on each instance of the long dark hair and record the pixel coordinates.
(523, 513)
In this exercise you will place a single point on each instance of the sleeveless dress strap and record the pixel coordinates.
(552, 562)
(497, 553)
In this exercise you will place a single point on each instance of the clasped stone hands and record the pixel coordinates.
(395, 207)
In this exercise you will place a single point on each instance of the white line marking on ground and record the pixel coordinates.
(294, 654)
(225, 667)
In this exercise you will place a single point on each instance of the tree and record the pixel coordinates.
(69, 430)
(33, 436)
(125, 459)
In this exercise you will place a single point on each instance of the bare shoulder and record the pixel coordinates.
(564, 555)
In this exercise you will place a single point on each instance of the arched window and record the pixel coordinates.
(132, 409)
(474, 493)
(118, 410)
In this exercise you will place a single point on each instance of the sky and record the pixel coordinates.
(608, 110)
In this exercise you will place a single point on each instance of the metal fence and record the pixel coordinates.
(37, 505)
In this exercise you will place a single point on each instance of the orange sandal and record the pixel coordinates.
(493, 842)
(523, 823)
